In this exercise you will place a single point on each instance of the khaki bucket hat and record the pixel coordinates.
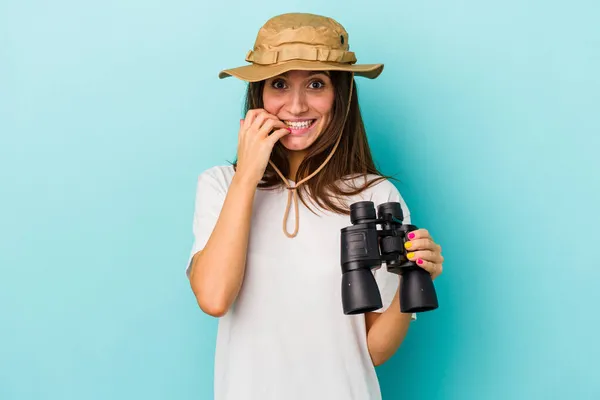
(300, 41)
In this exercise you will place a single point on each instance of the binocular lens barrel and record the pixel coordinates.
(417, 293)
(360, 293)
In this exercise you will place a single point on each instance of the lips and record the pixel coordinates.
(299, 124)
(298, 127)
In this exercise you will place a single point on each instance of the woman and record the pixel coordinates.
(282, 331)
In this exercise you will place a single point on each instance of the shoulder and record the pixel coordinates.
(215, 179)
(379, 192)
(221, 175)
(378, 185)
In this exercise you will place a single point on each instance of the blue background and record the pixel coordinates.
(487, 111)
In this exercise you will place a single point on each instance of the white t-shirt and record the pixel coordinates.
(286, 336)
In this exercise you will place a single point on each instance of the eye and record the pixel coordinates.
(317, 84)
(278, 84)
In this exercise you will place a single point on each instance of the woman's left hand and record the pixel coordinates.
(425, 252)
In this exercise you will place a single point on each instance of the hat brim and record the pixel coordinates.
(256, 72)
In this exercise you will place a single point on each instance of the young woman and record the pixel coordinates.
(276, 288)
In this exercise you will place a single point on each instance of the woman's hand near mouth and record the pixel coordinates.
(259, 132)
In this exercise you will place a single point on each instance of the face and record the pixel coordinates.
(304, 101)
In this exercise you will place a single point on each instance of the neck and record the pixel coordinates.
(295, 158)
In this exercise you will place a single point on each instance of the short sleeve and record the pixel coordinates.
(210, 196)
(386, 281)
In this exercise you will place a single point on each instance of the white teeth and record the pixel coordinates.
(299, 125)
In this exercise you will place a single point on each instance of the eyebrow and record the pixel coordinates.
(285, 74)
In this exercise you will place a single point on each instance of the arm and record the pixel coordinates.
(218, 269)
(386, 331)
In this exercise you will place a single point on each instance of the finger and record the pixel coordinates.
(269, 125)
(242, 130)
(427, 265)
(426, 255)
(421, 244)
(434, 269)
(251, 115)
(439, 268)
(421, 233)
(261, 119)
(278, 134)
(266, 127)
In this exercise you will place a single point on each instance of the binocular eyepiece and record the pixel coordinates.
(364, 247)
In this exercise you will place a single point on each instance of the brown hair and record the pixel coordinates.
(351, 159)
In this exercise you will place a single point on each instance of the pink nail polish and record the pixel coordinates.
(419, 261)
(411, 235)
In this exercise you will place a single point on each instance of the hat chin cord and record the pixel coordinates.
(293, 190)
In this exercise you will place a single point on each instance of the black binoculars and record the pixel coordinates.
(364, 247)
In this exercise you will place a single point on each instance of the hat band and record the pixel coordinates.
(298, 51)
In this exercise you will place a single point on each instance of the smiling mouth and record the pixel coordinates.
(300, 126)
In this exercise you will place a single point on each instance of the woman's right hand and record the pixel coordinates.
(255, 143)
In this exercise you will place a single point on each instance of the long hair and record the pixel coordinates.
(351, 159)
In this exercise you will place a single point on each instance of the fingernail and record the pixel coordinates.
(407, 245)
(410, 255)
(419, 261)
(411, 235)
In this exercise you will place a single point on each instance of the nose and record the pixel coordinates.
(298, 102)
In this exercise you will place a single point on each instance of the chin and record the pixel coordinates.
(295, 143)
